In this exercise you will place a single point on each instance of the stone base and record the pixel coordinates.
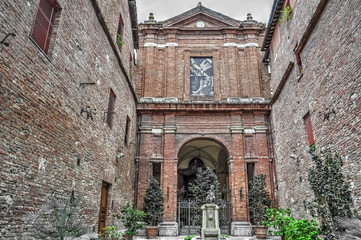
(168, 229)
(241, 229)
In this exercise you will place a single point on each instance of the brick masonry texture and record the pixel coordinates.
(164, 72)
(329, 89)
(42, 130)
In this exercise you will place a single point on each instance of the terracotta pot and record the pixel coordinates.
(151, 232)
(260, 231)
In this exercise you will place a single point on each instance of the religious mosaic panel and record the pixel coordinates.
(201, 76)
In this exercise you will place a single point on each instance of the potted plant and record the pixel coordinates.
(153, 207)
(132, 220)
(259, 201)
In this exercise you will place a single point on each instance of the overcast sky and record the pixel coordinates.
(237, 9)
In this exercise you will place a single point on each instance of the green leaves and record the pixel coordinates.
(259, 199)
(285, 13)
(132, 219)
(286, 225)
(153, 203)
(331, 190)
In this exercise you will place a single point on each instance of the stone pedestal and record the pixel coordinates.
(210, 223)
(168, 229)
(240, 229)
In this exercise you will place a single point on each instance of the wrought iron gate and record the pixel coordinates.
(189, 217)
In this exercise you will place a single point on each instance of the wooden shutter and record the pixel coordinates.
(43, 24)
(111, 107)
(307, 119)
(126, 135)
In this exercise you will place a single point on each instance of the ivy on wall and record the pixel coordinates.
(332, 195)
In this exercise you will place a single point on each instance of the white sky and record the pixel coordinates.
(237, 9)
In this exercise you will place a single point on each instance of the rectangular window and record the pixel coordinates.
(111, 105)
(120, 41)
(201, 76)
(43, 25)
(157, 171)
(126, 134)
(298, 60)
(307, 119)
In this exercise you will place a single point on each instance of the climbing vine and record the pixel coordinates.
(332, 195)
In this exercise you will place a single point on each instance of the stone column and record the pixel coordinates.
(169, 184)
(238, 180)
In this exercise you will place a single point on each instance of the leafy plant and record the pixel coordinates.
(259, 199)
(132, 219)
(286, 225)
(279, 219)
(224, 236)
(285, 13)
(189, 237)
(332, 195)
(111, 233)
(153, 203)
(57, 219)
(119, 40)
(302, 229)
(204, 190)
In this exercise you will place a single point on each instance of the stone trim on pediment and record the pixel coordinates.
(202, 13)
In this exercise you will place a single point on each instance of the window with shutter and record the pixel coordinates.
(111, 107)
(307, 120)
(120, 40)
(43, 25)
(126, 134)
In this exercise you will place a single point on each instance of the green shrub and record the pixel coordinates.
(132, 219)
(286, 225)
(279, 219)
(153, 203)
(111, 233)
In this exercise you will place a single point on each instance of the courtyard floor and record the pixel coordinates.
(230, 238)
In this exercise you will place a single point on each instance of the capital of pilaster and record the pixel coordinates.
(170, 129)
(236, 129)
(261, 129)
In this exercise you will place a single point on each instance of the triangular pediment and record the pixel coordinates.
(201, 16)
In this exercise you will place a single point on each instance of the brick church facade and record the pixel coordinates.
(203, 96)
(93, 104)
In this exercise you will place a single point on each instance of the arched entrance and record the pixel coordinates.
(193, 157)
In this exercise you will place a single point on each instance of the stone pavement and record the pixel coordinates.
(229, 238)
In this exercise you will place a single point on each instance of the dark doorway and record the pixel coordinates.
(103, 206)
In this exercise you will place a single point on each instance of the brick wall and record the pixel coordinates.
(329, 89)
(43, 133)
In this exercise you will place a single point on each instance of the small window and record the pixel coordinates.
(43, 26)
(111, 105)
(126, 134)
(298, 60)
(120, 41)
(307, 119)
(157, 171)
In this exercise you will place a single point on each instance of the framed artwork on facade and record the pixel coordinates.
(201, 76)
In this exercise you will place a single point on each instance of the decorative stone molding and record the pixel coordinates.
(241, 45)
(145, 129)
(170, 44)
(261, 129)
(254, 100)
(157, 130)
(249, 131)
(159, 100)
(236, 129)
(170, 129)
